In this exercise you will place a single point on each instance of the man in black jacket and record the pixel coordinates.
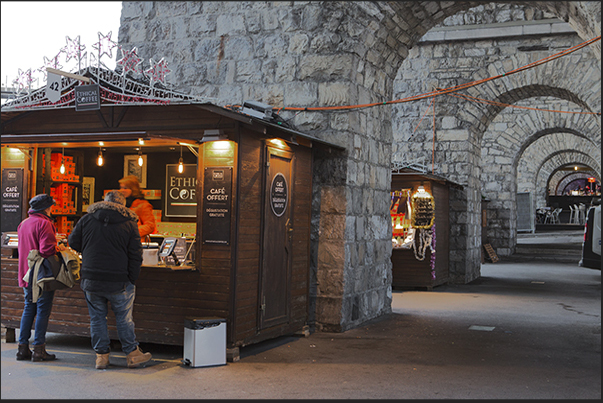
(109, 242)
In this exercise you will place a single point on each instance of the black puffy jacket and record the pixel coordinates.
(109, 241)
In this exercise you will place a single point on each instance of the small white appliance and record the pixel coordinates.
(204, 342)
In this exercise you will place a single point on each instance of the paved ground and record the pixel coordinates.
(522, 331)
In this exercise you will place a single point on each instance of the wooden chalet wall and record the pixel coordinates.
(249, 241)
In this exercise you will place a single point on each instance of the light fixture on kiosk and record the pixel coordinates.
(213, 135)
(180, 165)
(62, 168)
(100, 160)
(140, 160)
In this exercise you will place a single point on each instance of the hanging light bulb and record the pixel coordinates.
(100, 160)
(180, 165)
(140, 160)
(62, 168)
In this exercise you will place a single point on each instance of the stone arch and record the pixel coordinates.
(567, 179)
(550, 167)
(461, 125)
(503, 145)
(541, 150)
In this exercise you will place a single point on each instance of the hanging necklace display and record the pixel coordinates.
(423, 216)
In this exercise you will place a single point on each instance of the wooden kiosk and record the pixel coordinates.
(415, 266)
(250, 187)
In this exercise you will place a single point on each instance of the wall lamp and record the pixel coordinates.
(213, 135)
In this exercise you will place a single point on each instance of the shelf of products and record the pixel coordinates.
(64, 187)
(400, 210)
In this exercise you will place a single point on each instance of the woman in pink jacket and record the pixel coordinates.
(36, 232)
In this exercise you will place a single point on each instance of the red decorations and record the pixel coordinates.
(158, 71)
(130, 61)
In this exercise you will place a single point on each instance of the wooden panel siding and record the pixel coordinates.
(248, 243)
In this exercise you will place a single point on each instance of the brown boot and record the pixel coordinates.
(102, 361)
(40, 354)
(24, 353)
(137, 358)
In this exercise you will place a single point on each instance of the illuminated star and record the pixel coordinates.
(158, 70)
(105, 45)
(73, 48)
(130, 61)
(23, 80)
(52, 63)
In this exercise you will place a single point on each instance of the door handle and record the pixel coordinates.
(289, 228)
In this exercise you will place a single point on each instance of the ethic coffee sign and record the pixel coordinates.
(279, 195)
(87, 97)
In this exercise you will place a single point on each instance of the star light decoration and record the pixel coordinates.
(158, 71)
(73, 48)
(52, 63)
(105, 45)
(130, 61)
(23, 80)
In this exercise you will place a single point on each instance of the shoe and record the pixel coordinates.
(40, 354)
(102, 361)
(24, 353)
(137, 358)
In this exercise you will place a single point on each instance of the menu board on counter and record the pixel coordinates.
(217, 195)
(12, 198)
(180, 191)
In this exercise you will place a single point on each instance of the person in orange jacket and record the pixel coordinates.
(130, 187)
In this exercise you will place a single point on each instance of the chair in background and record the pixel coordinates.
(555, 215)
(548, 217)
(573, 214)
(581, 213)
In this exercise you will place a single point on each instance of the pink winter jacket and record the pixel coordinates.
(35, 232)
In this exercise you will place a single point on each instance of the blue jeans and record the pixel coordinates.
(122, 304)
(40, 311)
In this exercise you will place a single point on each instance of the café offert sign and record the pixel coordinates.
(217, 201)
(278, 194)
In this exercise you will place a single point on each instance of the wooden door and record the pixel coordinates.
(275, 282)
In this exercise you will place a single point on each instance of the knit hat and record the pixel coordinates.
(115, 196)
(40, 202)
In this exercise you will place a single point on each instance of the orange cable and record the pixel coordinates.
(426, 110)
(486, 101)
(433, 143)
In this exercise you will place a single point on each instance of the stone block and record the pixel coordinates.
(230, 24)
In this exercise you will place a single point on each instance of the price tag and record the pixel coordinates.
(53, 87)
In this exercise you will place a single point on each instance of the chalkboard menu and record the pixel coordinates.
(12, 198)
(217, 194)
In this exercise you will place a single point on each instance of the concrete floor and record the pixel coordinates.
(521, 331)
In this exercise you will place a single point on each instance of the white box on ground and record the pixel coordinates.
(204, 342)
